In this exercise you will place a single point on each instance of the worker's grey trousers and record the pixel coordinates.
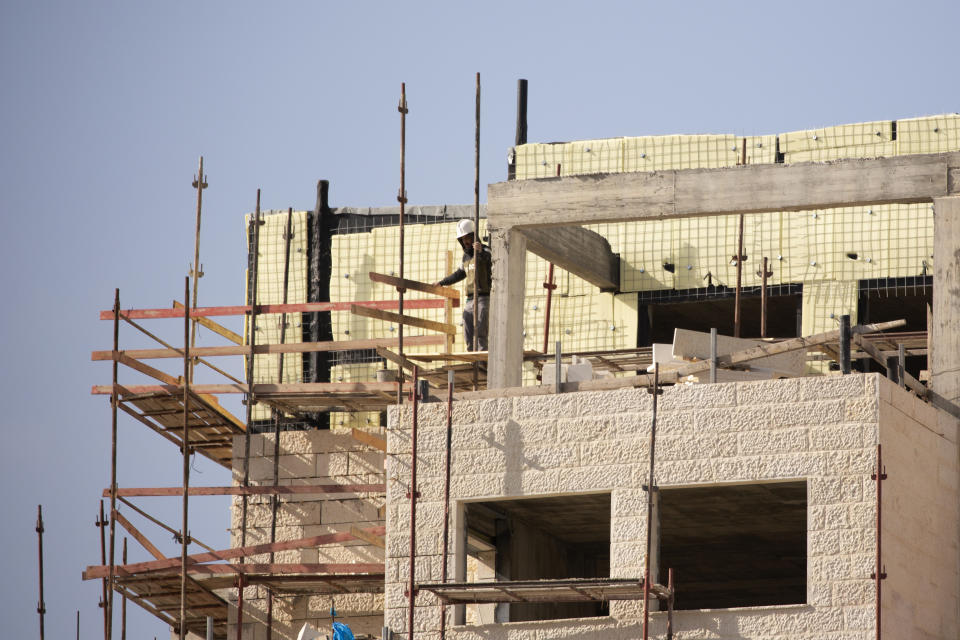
(483, 314)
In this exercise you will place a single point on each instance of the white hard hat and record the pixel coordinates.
(464, 228)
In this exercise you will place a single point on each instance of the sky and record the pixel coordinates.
(106, 107)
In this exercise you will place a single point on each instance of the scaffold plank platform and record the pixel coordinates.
(570, 590)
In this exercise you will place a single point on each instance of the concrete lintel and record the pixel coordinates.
(580, 251)
(625, 197)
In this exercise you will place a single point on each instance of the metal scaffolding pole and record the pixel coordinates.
(411, 587)
(402, 199)
(252, 342)
(41, 606)
(650, 489)
(184, 531)
(199, 183)
(114, 404)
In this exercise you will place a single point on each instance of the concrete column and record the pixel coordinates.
(509, 249)
(945, 326)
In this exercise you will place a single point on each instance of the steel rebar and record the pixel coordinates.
(446, 499)
(845, 336)
(184, 531)
(41, 606)
(199, 183)
(650, 489)
(102, 524)
(739, 258)
(878, 573)
(713, 355)
(477, 246)
(412, 592)
(114, 405)
(402, 198)
(252, 341)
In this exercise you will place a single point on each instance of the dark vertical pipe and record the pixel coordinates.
(446, 499)
(521, 112)
(901, 365)
(184, 531)
(114, 404)
(549, 286)
(763, 299)
(736, 308)
(402, 198)
(713, 355)
(123, 601)
(650, 489)
(878, 573)
(845, 344)
(41, 606)
(102, 524)
(670, 603)
(411, 588)
(78, 624)
(252, 341)
(476, 235)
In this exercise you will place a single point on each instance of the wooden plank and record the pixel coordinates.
(298, 347)
(98, 571)
(396, 358)
(435, 289)
(217, 328)
(582, 252)
(139, 537)
(146, 369)
(240, 310)
(321, 568)
(411, 321)
(263, 389)
(262, 490)
(756, 188)
(369, 439)
(369, 536)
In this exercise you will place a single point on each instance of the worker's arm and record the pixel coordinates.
(453, 278)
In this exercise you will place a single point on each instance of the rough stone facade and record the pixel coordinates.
(309, 457)
(824, 430)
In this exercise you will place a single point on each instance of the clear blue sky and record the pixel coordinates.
(106, 107)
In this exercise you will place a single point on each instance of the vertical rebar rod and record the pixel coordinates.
(240, 607)
(199, 183)
(670, 602)
(184, 531)
(713, 355)
(736, 307)
(123, 600)
(41, 606)
(650, 490)
(845, 344)
(549, 286)
(114, 404)
(743, 152)
(251, 341)
(878, 573)
(763, 299)
(275, 499)
(476, 223)
(102, 524)
(558, 369)
(402, 198)
(446, 499)
(901, 365)
(412, 591)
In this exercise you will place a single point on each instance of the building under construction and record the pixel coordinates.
(721, 400)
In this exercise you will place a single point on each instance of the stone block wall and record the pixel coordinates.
(309, 457)
(820, 429)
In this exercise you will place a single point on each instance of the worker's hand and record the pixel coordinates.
(477, 247)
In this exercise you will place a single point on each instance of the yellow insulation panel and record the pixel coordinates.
(538, 160)
(593, 156)
(844, 135)
(933, 134)
(659, 153)
(355, 372)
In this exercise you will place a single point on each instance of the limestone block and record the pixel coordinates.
(613, 452)
(696, 447)
(766, 392)
(531, 483)
(620, 401)
(545, 408)
(466, 437)
(821, 387)
(339, 511)
(365, 462)
(676, 472)
(544, 457)
(491, 460)
(669, 423)
(734, 420)
(838, 436)
(584, 428)
(822, 412)
(331, 464)
(862, 409)
(679, 397)
(774, 441)
(630, 502)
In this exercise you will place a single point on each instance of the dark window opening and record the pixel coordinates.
(538, 539)
(885, 299)
(702, 314)
(735, 545)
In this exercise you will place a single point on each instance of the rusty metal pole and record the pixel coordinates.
(252, 341)
(123, 601)
(184, 531)
(477, 246)
(411, 588)
(402, 199)
(739, 259)
(199, 183)
(102, 524)
(549, 286)
(41, 606)
(878, 574)
(275, 499)
(670, 603)
(446, 500)
(650, 489)
(114, 404)
(240, 607)
(763, 298)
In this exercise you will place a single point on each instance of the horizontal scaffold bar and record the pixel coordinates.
(304, 307)
(269, 490)
(264, 389)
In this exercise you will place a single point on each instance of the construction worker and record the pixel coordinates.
(476, 311)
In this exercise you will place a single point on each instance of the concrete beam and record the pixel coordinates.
(580, 251)
(625, 197)
(509, 248)
(945, 325)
